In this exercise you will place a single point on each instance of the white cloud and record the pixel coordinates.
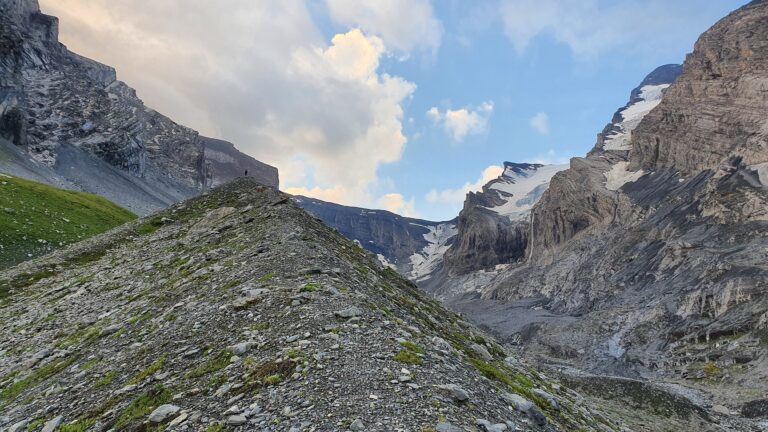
(396, 203)
(540, 123)
(404, 25)
(593, 27)
(259, 74)
(457, 196)
(463, 121)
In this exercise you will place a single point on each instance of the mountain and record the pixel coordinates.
(238, 310)
(493, 225)
(413, 247)
(36, 218)
(67, 121)
(647, 258)
(490, 230)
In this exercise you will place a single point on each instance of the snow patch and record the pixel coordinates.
(615, 349)
(618, 176)
(385, 262)
(650, 97)
(522, 190)
(762, 172)
(425, 262)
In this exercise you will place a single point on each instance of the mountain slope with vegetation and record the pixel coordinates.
(36, 218)
(239, 310)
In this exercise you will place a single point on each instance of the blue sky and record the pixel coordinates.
(400, 104)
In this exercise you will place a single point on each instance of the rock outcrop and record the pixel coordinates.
(225, 163)
(494, 224)
(80, 127)
(716, 111)
(649, 256)
(239, 310)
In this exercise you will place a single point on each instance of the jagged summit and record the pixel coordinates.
(519, 168)
(666, 74)
(237, 308)
(515, 191)
(616, 135)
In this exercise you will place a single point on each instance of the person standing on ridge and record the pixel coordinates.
(246, 173)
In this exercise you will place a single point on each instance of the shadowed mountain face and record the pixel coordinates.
(226, 163)
(67, 121)
(412, 246)
(237, 308)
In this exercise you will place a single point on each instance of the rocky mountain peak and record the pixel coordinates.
(714, 112)
(512, 168)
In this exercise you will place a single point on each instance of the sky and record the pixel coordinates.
(404, 105)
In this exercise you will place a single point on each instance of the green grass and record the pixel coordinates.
(150, 226)
(271, 380)
(85, 334)
(216, 427)
(267, 277)
(412, 347)
(407, 357)
(213, 364)
(149, 371)
(41, 374)
(310, 287)
(143, 405)
(105, 380)
(78, 426)
(38, 212)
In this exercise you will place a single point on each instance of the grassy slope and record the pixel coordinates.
(37, 218)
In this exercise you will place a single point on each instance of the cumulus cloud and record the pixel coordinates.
(404, 25)
(592, 27)
(259, 74)
(396, 203)
(463, 121)
(540, 123)
(457, 196)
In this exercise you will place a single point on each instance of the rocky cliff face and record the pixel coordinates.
(648, 255)
(414, 247)
(493, 226)
(237, 310)
(225, 163)
(81, 127)
(716, 110)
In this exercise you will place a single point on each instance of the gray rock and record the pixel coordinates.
(547, 396)
(111, 330)
(518, 402)
(447, 427)
(720, 409)
(53, 424)
(350, 312)
(357, 426)
(481, 351)
(162, 413)
(487, 426)
(240, 348)
(19, 426)
(236, 420)
(456, 392)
